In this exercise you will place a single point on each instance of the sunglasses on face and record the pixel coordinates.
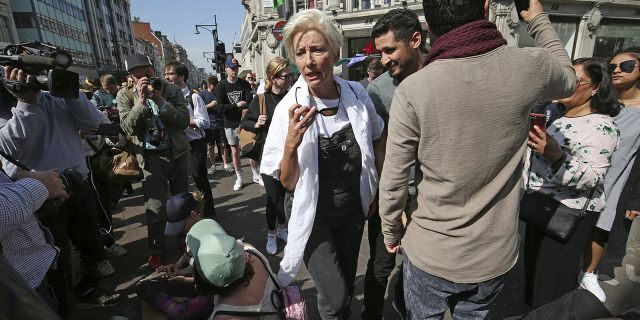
(284, 76)
(625, 66)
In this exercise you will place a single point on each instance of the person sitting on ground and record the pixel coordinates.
(235, 272)
(183, 211)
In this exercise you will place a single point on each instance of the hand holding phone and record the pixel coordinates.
(539, 120)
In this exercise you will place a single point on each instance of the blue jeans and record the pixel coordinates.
(428, 297)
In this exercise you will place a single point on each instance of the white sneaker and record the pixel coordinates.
(283, 234)
(238, 185)
(258, 180)
(116, 250)
(272, 244)
(590, 282)
(211, 169)
(228, 168)
(105, 268)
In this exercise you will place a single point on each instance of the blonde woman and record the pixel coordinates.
(321, 144)
(276, 86)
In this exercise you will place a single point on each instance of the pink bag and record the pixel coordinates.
(295, 307)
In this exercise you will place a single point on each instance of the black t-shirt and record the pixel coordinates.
(227, 95)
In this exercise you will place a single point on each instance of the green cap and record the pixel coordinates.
(218, 257)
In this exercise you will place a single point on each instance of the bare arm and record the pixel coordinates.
(299, 120)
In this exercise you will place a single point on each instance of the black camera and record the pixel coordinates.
(46, 63)
(157, 136)
(156, 83)
(72, 180)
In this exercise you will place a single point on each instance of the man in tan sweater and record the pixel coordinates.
(463, 118)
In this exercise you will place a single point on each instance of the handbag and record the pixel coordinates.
(125, 167)
(550, 216)
(250, 143)
(288, 300)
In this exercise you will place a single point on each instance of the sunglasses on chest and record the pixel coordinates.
(625, 66)
(326, 112)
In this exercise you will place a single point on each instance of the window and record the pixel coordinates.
(613, 36)
(566, 27)
(24, 19)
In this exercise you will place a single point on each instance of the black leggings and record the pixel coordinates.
(275, 201)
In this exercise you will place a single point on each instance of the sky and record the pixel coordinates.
(177, 19)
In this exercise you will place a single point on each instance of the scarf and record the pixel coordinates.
(471, 39)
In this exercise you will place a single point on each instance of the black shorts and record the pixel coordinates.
(215, 136)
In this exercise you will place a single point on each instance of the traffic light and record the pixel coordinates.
(221, 54)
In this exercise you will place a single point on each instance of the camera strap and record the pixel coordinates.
(14, 161)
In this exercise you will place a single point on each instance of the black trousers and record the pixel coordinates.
(76, 220)
(331, 256)
(105, 196)
(551, 267)
(379, 268)
(198, 169)
(275, 201)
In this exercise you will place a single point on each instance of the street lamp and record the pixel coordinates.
(213, 28)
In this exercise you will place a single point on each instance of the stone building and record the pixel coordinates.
(587, 28)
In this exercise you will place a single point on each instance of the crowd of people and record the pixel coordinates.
(437, 151)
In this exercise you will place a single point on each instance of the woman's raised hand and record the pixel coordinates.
(545, 146)
(300, 118)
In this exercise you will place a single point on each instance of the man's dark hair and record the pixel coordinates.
(180, 68)
(213, 80)
(403, 23)
(445, 15)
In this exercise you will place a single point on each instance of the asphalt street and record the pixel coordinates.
(241, 213)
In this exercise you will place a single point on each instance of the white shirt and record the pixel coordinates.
(328, 125)
(199, 115)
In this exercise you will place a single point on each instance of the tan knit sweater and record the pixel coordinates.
(465, 122)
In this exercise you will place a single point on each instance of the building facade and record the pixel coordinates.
(63, 23)
(111, 34)
(8, 31)
(587, 28)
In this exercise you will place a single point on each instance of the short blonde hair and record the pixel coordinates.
(310, 19)
(275, 66)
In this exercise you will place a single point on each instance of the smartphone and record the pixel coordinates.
(521, 5)
(539, 120)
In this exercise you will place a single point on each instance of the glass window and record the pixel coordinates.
(566, 27)
(612, 37)
(24, 19)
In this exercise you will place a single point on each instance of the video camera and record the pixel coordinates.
(46, 63)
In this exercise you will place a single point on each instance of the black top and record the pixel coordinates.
(227, 94)
(271, 101)
(630, 198)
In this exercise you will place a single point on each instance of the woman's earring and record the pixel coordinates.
(593, 93)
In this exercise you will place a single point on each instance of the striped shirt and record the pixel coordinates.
(26, 244)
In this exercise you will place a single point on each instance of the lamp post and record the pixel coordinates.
(213, 28)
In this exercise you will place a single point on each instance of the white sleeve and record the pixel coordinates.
(200, 115)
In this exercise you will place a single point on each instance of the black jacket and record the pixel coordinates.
(271, 101)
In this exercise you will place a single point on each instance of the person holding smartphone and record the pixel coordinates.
(568, 165)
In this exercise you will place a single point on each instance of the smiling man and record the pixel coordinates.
(398, 36)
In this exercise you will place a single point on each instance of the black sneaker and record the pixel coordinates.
(97, 299)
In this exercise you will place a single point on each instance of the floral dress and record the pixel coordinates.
(589, 142)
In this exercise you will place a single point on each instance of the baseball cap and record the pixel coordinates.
(179, 208)
(137, 60)
(218, 257)
(232, 63)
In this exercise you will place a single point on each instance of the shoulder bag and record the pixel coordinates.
(288, 300)
(251, 144)
(550, 216)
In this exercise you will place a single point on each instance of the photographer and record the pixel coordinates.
(155, 113)
(43, 134)
(105, 97)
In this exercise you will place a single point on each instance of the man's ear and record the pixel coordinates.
(416, 40)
